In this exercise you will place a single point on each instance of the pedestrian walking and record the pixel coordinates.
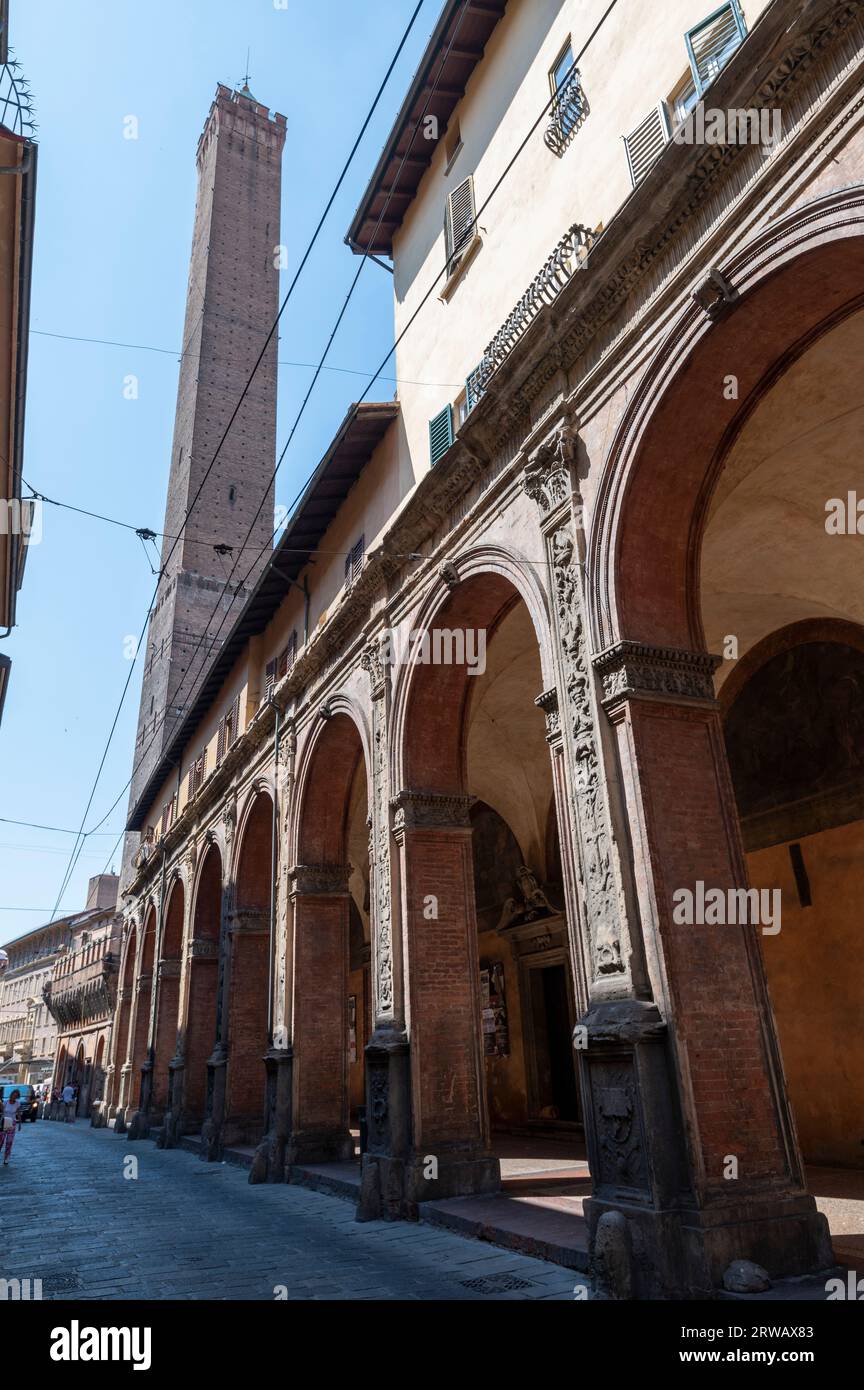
(69, 1102)
(11, 1110)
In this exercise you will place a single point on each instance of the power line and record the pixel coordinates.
(79, 841)
(172, 352)
(158, 724)
(375, 376)
(33, 825)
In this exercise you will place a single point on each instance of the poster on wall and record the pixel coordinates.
(493, 1009)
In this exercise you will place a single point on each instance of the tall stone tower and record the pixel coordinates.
(231, 302)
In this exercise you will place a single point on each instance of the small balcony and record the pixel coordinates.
(568, 112)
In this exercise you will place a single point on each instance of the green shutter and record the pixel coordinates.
(440, 434)
(711, 44)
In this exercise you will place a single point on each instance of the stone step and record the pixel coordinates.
(337, 1179)
(540, 1228)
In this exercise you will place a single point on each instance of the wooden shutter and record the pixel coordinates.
(234, 725)
(459, 219)
(440, 434)
(647, 142)
(711, 44)
(270, 679)
(353, 566)
(292, 649)
(220, 740)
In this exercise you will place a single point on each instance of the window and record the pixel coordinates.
(197, 773)
(452, 145)
(474, 388)
(711, 44)
(568, 106)
(646, 143)
(269, 678)
(287, 657)
(228, 730)
(354, 561)
(459, 222)
(440, 434)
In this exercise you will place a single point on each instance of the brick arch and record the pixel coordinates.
(490, 582)
(122, 1047)
(248, 975)
(794, 281)
(199, 1031)
(143, 995)
(332, 757)
(168, 987)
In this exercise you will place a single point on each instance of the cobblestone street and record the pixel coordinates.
(193, 1230)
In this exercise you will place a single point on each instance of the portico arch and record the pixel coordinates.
(778, 297)
(328, 890)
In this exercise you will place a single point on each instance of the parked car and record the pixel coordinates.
(28, 1099)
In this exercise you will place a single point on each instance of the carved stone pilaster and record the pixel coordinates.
(374, 662)
(315, 880)
(548, 480)
(430, 811)
(229, 823)
(633, 670)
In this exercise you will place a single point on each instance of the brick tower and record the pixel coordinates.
(231, 302)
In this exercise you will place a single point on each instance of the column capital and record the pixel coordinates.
(636, 670)
(314, 880)
(430, 811)
(548, 703)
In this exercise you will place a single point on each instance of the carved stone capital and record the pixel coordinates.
(633, 670)
(203, 948)
(715, 295)
(547, 473)
(374, 662)
(548, 702)
(248, 921)
(312, 880)
(430, 811)
(169, 969)
(143, 983)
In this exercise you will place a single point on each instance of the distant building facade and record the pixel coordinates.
(81, 995)
(544, 664)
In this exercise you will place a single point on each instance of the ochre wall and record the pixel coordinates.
(815, 979)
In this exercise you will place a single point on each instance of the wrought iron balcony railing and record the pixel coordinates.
(16, 100)
(568, 113)
(567, 257)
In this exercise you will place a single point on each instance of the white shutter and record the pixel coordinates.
(459, 220)
(646, 143)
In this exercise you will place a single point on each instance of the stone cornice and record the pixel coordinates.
(316, 880)
(430, 811)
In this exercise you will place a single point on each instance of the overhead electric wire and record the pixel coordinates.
(332, 198)
(375, 376)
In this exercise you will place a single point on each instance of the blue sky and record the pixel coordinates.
(113, 233)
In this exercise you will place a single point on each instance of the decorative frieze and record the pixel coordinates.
(547, 473)
(202, 948)
(169, 969)
(633, 670)
(430, 811)
(248, 921)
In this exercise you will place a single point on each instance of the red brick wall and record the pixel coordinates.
(321, 1012)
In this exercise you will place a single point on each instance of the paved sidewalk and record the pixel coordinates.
(187, 1229)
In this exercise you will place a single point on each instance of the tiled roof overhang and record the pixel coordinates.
(356, 439)
(440, 81)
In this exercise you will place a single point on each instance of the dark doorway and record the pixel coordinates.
(557, 1094)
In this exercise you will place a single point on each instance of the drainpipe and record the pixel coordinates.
(274, 839)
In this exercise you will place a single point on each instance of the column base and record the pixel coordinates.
(649, 1254)
(319, 1146)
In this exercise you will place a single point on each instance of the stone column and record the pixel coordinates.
(134, 1072)
(672, 1023)
(388, 1116)
(268, 1164)
(732, 1186)
(319, 1113)
(172, 1128)
(449, 1153)
(217, 1062)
